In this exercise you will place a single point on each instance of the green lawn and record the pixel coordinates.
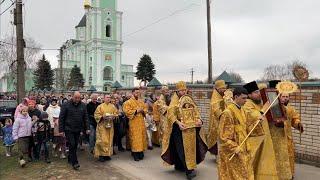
(10, 169)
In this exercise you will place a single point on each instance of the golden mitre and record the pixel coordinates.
(86, 4)
(181, 85)
(164, 88)
(220, 84)
(286, 87)
(262, 86)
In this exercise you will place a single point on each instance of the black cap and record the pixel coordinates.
(44, 116)
(251, 87)
(54, 99)
(273, 83)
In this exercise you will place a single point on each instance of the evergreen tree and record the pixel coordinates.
(43, 75)
(76, 78)
(145, 69)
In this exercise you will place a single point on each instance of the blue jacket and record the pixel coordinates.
(7, 136)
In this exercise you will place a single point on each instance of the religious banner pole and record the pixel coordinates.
(301, 74)
(300, 107)
(282, 87)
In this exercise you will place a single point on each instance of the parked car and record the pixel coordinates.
(7, 109)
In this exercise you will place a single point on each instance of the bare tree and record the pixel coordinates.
(8, 55)
(275, 71)
(65, 78)
(236, 76)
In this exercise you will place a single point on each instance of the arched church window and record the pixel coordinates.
(90, 71)
(107, 74)
(108, 30)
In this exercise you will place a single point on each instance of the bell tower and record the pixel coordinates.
(97, 48)
(104, 39)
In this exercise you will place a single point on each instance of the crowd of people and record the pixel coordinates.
(62, 123)
(169, 119)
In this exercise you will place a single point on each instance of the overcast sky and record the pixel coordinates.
(248, 35)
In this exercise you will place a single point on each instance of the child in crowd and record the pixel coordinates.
(21, 133)
(150, 126)
(7, 136)
(59, 142)
(42, 132)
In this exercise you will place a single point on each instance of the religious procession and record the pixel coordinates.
(250, 128)
(80, 98)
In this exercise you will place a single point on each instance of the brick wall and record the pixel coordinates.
(307, 145)
(308, 149)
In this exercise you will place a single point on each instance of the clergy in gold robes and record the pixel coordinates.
(135, 109)
(183, 146)
(259, 143)
(160, 109)
(293, 121)
(104, 115)
(156, 139)
(280, 144)
(232, 131)
(217, 106)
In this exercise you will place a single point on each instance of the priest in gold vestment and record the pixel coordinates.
(217, 106)
(156, 135)
(136, 110)
(259, 143)
(280, 144)
(183, 146)
(293, 121)
(104, 131)
(160, 111)
(232, 131)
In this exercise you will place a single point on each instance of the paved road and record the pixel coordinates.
(122, 167)
(151, 168)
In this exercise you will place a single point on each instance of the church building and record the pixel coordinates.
(97, 47)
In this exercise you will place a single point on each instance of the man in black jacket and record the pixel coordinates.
(91, 108)
(73, 120)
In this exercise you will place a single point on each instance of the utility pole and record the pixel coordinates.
(61, 70)
(192, 72)
(18, 21)
(209, 43)
(0, 22)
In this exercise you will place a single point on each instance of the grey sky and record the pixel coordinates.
(247, 35)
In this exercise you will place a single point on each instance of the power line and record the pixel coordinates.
(2, 2)
(7, 8)
(161, 19)
(42, 49)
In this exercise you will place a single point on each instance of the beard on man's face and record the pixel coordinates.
(256, 101)
(286, 103)
(220, 92)
(167, 99)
